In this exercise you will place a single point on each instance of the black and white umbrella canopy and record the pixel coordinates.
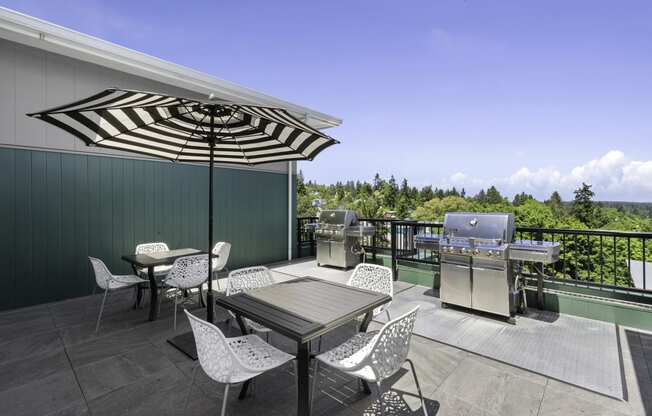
(180, 129)
(189, 130)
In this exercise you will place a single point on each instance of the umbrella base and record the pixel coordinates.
(185, 343)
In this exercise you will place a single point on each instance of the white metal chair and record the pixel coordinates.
(231, 360)
(148, 248)
(374, 356)
(222, 251)
(245, 279)
(371, 277)
(376, 278)
(110, 282)
(186, 273)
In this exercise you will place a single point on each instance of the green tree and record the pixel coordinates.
(435, 209)
(521, 198)
(493, 196)
(583, 207)
(378, 182)
(390, 193)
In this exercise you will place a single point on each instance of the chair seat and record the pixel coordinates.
(349, 354)
(118, 282)
(256, 354)
(256, 326)
(158, 271)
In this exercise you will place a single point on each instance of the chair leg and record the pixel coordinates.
(99, 315)
(315, 379)
(192, 383)
(389, 318)
(319, 344)
(161, 292)
(175, 311)
(224, 399)
(380, 398)
(217, 281)
(416, 381)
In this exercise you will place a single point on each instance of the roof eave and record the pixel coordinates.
(44, 35)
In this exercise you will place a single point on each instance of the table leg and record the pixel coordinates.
(153, 294)
(303, 379)
(363, 328)
(139, 290)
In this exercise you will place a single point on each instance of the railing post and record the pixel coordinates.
(299, 238)
(393, 244)
(373, 244)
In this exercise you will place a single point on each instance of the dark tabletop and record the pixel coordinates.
(160, 258)
(305, 308)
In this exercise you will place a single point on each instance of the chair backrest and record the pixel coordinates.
(373, 277)
(392, 345)
(102, 273)
(188, 272)
(215, 355)
(146, 248)
(221, 250)
(242, 280)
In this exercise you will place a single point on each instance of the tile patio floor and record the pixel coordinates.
(51, 363)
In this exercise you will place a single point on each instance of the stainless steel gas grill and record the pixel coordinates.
(339, 236)
(480, 261)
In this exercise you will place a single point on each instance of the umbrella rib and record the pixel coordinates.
(244, 155)
(197, 126)
(135, 128)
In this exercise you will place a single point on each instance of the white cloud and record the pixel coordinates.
(613, 176)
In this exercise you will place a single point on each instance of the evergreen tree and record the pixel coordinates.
(301, 186)
(378, 182)
(390, 193)
(426, 193)
(555, 203)
(520, 199)
(493, 196)
(583, 207)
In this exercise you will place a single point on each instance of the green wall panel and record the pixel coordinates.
(56, 209)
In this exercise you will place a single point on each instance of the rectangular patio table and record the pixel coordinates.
(303, 310)
(149, 261)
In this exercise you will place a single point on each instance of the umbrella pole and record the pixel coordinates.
(210, 301)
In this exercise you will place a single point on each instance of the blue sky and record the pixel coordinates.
(526, 95)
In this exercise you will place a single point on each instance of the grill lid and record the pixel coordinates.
(338, 217)
(481, 225)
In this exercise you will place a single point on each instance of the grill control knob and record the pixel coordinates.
(490, 253)
(476, 252)
(463, 250)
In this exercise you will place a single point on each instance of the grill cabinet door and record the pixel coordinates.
(455, 282)
(491, 288)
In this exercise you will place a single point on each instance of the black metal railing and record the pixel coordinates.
(589, 258)
(305, 236)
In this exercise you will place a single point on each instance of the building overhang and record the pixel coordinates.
(37, 33)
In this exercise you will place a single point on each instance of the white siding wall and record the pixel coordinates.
(32, 79)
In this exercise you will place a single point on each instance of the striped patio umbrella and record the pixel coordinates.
(188, 130)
